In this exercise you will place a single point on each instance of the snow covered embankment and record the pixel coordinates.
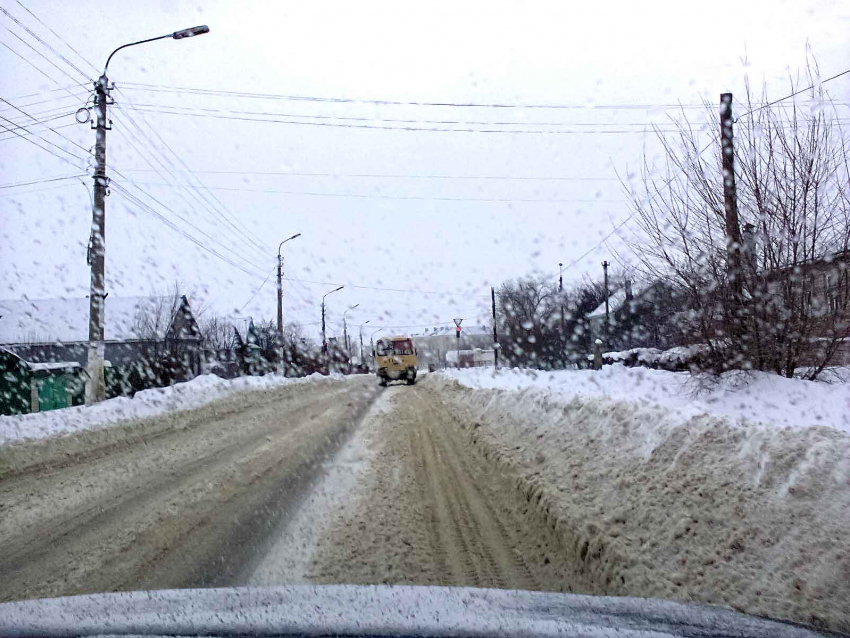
(661, 498)
(62, 436)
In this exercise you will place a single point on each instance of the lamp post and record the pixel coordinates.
(345, 332)
(324, 339)
(280, 295)
(95, 385)
(361, 341)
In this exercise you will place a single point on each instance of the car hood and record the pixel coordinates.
(376, 611)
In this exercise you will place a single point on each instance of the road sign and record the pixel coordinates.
(458, 322)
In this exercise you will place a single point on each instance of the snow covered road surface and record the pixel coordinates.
(189, 505)
(565, 485)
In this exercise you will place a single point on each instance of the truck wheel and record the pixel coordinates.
(382, 383)
(411, 381)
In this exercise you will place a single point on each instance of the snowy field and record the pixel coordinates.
(743, 397)
(732, 493)
(196, 393)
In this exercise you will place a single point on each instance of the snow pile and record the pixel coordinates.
(750, 397)
(147, 403)
(655, 493)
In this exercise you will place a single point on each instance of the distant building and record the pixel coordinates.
(149, 341)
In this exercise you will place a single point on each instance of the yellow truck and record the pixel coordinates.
(395, 358)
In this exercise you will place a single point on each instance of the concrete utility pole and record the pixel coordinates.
(96, 385)
(280, 294)
(730, 197)
(324, 338)
(361, 340)
(605, 265)
(495, 333)
(345, 332)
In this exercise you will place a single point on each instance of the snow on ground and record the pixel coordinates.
(754, 397)
(731, 496)
(340, 488)
(147, 403)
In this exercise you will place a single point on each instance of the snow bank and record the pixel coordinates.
(658, 494)
(147, 403)
(750, 397)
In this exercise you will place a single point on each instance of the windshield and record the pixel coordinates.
(550, 297)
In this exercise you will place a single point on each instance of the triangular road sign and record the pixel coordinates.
(458, 322)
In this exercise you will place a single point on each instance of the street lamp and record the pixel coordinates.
(96, 386)
(280, 286)
(361, 340)
(324, 340)
(345, 331)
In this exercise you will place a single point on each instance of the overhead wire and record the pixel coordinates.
(222, 211)
(794, 94)
(42, 181)
(233, 250)
(43, 43)
(59, 37)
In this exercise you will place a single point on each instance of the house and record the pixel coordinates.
(645, 317)
(150, 341)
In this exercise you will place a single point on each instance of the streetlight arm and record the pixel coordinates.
(177, 35)
(284, 241)
(331, 292)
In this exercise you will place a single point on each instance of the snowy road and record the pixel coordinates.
(189, 507)
(311, 485)
(335, 480)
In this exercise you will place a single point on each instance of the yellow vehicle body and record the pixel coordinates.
(395, 359)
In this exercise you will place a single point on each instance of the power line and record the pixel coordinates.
(55, 129)
(397, 176)
(83, 148)
(181, 193)
(345, 100)
(410, 128)
(359, 287)
(42, 42)
(26, 139)
(59, 37)
(223, 211)
(389, 120)
(256, 292)
(40, 54)
(403, 197)
(794, 94)
(42, 181)
(144, 206)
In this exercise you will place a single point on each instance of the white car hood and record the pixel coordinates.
(376, 611)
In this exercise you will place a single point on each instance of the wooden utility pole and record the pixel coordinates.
(605, 265)
(730, 197)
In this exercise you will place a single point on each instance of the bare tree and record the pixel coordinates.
(792, 173)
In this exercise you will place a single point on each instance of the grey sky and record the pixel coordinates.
(387, 232)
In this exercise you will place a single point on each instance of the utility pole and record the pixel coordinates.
(345, 333)
(495, 333)
(605, 265)
(561, 294)
(361, 340)
(730, 198)
(96, 384)
(324, 337)
(280, 294)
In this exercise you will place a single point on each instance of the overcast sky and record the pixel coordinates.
(377, 208)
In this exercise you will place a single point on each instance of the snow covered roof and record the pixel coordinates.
(615, 301)
(51, 320)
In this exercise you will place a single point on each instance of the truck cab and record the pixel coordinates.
(396, 360)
